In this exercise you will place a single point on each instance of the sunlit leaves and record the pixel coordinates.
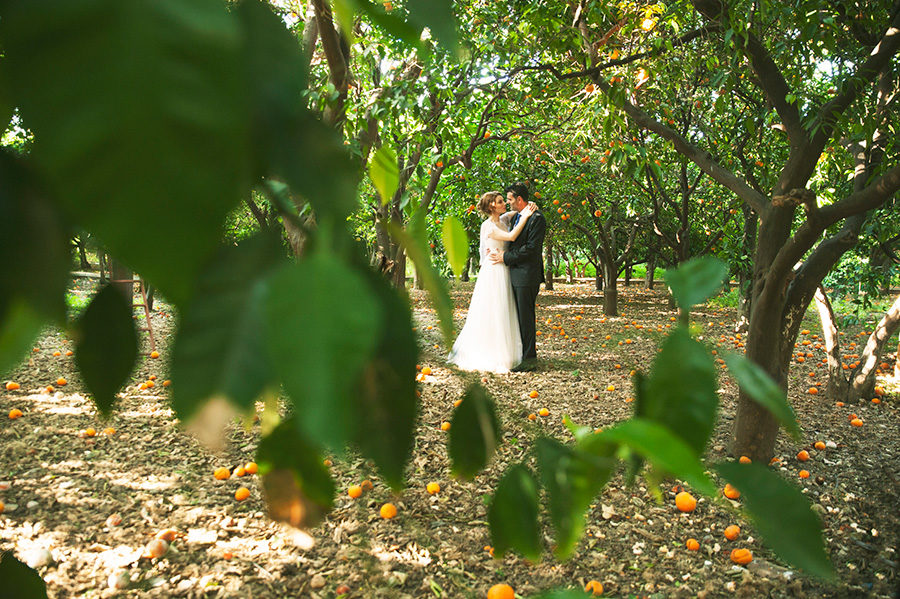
(385, 404)
(760, 386)
(513, 514)
(572, 479)
(322, 323)
(220, 347)
(663, 449)
(122, 95)
(456, 242)
(299, 489)
(107, 345)
(474, 432)
(384, 172)
(680, 392)
(782, 515)
(695, 280)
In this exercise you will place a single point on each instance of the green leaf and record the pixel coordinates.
(392, 24)
(107, 345)
(220, 349)
(413, 241)
(456, 242)
(19, 326)
(474, 432)
(764, 391)
(438, 16)
(24, 581)
(572, 479)
(322, 323)
(782, 515)
(578, 431)
(141, 122)
(680, 393)
(299, 488)
(695, 280)
(513, 514)
(385, 403)
(663, 449)
(384, 172)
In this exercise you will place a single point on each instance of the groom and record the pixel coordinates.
(526, 270)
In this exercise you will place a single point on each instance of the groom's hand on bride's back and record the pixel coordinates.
(495, 256)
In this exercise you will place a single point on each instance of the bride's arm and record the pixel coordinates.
(514, 234)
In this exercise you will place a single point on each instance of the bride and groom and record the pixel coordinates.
(499, 334)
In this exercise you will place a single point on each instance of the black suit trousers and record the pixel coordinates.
(525, 299)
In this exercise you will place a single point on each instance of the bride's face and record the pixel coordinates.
(498, 206)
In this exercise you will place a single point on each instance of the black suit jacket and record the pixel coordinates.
(524, 255)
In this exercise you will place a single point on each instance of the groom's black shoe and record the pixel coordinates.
(529, 365)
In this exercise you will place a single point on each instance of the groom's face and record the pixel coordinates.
(514, 202)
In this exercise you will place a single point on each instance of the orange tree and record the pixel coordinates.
(211, 102)
(815, 88)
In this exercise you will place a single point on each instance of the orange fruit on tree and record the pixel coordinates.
(12, 385)
(741, 556)
(732, 532)
(803, 455)
(15, 413)
(685, 502)
(501, 591)
(388, 511)
(594, 588)
(354, 491)
(730, 492)
(61, 381)
(222, 473)
(433, 488)
(803, 474)
(692, 545)
(251, 468)
(242, 493)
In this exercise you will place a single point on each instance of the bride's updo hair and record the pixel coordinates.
(484, 204)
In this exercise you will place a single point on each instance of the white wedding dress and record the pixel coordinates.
(490, 339)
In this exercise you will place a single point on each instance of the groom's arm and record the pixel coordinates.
(534, 241)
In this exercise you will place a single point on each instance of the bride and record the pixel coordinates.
(490, 339)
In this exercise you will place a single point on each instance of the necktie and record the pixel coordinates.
(516, 220)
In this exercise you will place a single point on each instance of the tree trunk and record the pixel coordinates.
(610, 293)
(121, 277)
(837, 382)
(745, 272)
(862, 378)
(464, 276)
(548, 265)
(628, 273)
(82, 254)
(651, 272)
(570, 277)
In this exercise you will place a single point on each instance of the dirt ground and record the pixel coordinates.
(61, 488)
